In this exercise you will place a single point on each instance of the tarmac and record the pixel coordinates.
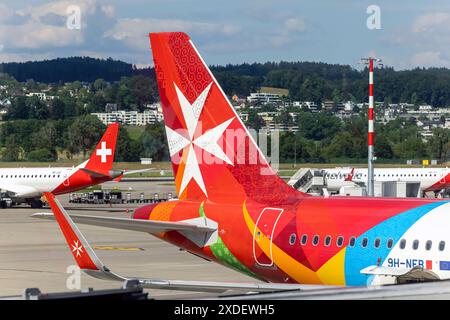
(34, 254)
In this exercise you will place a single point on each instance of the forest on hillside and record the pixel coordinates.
(306, 81)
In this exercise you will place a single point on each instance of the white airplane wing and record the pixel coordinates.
(89, 262)
(19, 190)
(127, 172)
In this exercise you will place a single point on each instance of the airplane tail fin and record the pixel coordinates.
(102, 157)
(349, 177)
(213, 155)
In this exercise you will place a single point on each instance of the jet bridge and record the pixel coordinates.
(308, 180)
(314, 181)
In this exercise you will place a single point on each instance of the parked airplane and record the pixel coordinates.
(27, 185)
(234, 210)
(431, 179)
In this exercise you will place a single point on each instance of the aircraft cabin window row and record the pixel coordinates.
(30, 176)
(391, 175)
(377, 243)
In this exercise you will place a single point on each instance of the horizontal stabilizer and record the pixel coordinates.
(127, 172)
(94, 173)
(385, 271)
(148, 226)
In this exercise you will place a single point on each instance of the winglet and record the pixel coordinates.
(80, 248)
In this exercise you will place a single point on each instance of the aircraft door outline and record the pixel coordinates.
(265, 227)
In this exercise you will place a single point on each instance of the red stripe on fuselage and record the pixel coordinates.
(77, 181)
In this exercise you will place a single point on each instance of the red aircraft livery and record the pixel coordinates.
(233, 209)
(29, 184)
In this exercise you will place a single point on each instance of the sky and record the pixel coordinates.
(405, 34)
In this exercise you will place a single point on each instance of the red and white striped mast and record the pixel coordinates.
(370, 138)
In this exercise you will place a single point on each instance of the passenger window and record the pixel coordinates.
(441, 246)
(304, 239)
(428, 245)
(327, 241)
(364, 242)
(352, 241)
(292, 239)
(315, 240)
(340, 241)
(377, 243)
(402, 244)
(389, 244)
(415, 244)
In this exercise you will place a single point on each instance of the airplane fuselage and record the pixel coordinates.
(31, 183)
(319, 240)
(430, 179)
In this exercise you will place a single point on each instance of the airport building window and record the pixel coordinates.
(315, 240)
(402, 244)
(304, 239)
(352, 241)
(377, 243)
(340, 241)
(364, 242)
(389, 244)
(292, 239)
(441, 246)
(428, 245)
(415, 244)
(327, 241)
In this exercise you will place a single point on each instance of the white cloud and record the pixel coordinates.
(34, 35)
(40, 30)
(133, 31)
(14, 57)
(426, 39)
(295, 25)
(429, 59)
(44, 27)
(432, 22)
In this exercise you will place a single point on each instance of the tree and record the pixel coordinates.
(153, 142)
(37, 108)
(18, 109)
(12, 150)
(438, 143)
(127, 149)
(83, 134)
(57, 109)
(254, 120)
(99, 85)
(41, 155)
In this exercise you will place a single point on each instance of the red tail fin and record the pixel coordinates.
(213, 155)
(349, 177)
(102, 157)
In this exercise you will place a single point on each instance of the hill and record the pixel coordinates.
(68, 70)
